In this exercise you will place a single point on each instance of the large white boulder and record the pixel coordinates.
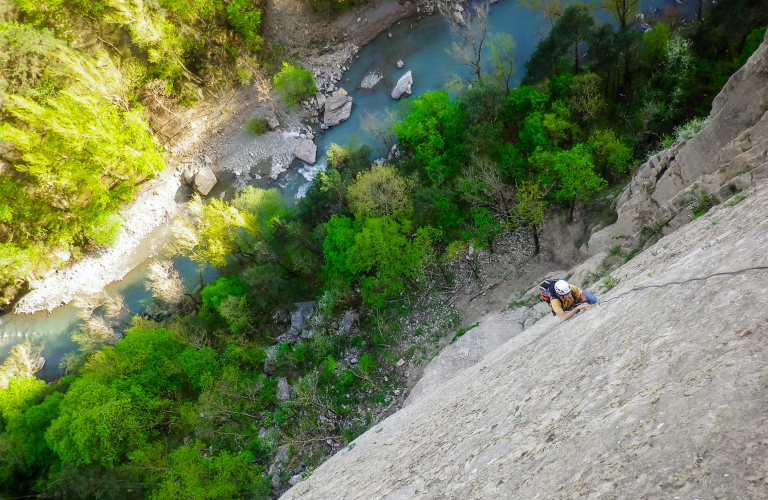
(338, 107)
(403, 86)
(205, 179)
(306, 151)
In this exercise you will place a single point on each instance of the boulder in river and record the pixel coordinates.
(306, 151)
(403, 86)
(400, 64)
(338, 107)
(205, 180)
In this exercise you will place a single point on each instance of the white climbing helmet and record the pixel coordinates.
(562, 287)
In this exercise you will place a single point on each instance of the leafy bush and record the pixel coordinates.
(294, 84)
(256, 126)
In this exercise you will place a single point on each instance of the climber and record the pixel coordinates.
(567, 300)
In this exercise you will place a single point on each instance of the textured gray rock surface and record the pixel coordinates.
(734, 142)
(205, 179)
(283, 389)
(466, 351)
(306, 151)
(403, 86)
(587, 271)
(302, 313)
(338, 107)
(350, 318)
(660, 393)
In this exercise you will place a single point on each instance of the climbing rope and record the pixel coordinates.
(725, 273)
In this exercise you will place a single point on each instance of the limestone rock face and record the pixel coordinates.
(403, 86)
(338, 107)
(306, 151)
(734, 142)
(465, 352)
(654, 393)
(205, 179)
(587, 271)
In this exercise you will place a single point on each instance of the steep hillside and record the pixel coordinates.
(658, 392)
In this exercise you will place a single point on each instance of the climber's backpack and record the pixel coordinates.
(546, 290)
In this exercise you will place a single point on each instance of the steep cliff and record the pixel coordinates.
(658, 392)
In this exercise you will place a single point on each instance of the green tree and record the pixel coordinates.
(432, 137)
(576, 177)
(190, 474)
(211, 233)
(25, 455)
(385, 258)
(128, 397)
(529, 210)
(623, 11)
(245, 18)
(80, 159)
(294, 84)
(574, 28)
(753, 41)
(655, 43)
(28, 62)
(380, 191)
(611, 156)
(340, 238)
(586, 100)
(523, 101)
(502, 47)
(152, 32)
(216, 293)
(532, 135)
(485, 228)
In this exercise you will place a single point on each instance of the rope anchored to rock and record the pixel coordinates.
(702, 278)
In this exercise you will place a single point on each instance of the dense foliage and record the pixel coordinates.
(190, 406)
(74, 140)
